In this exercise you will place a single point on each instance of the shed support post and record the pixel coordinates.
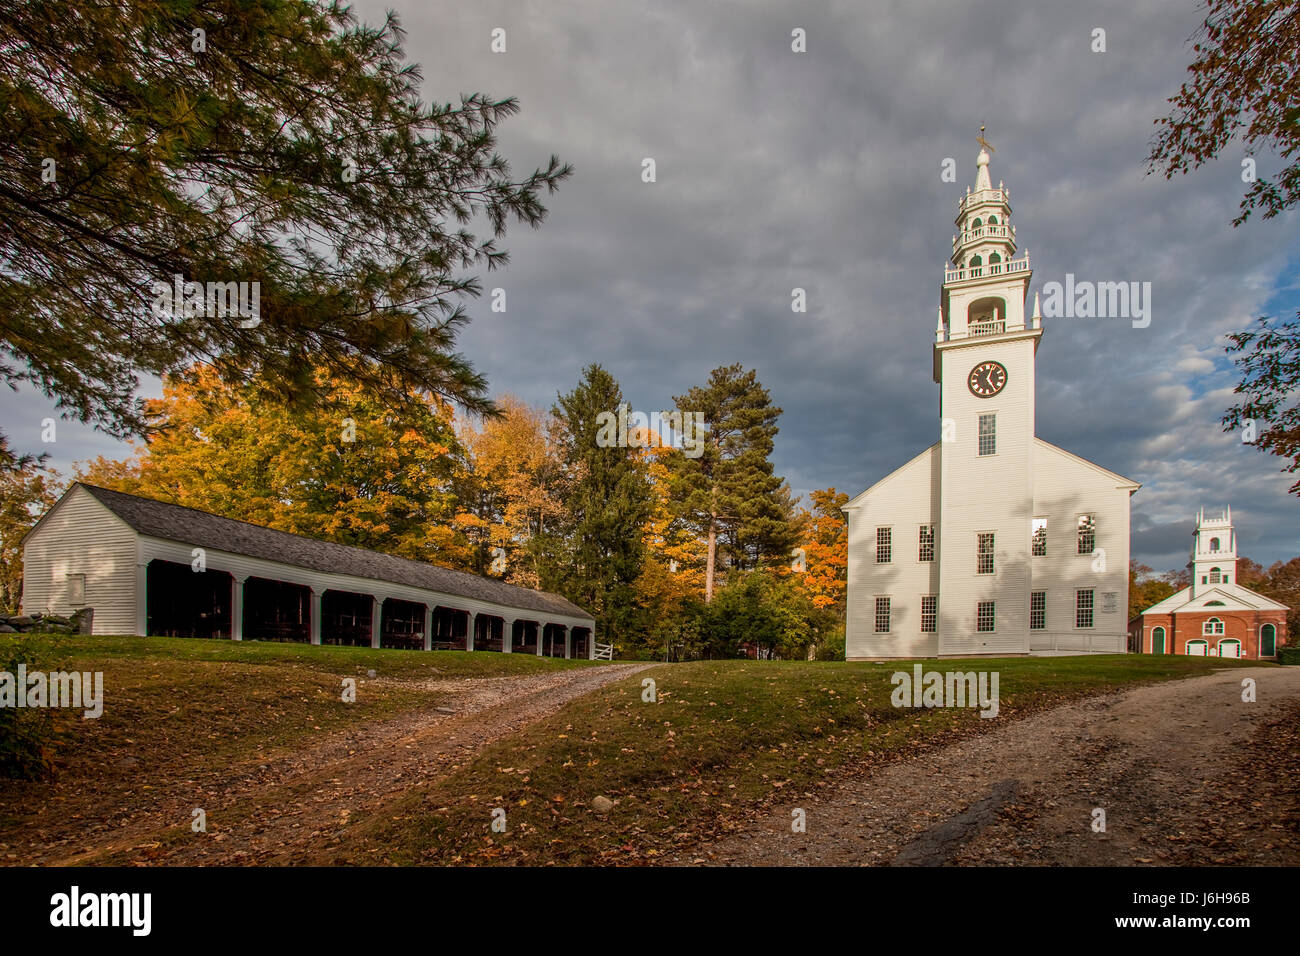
(237, 607)
(376, 613)
(316, 594)
(541, 636)
(428, 627)
(142, 599)
(507, 636)
(469, 635)
(568, 642)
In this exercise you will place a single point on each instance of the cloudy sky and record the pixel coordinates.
(821, 170)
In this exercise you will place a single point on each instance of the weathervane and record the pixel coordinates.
(983, 142)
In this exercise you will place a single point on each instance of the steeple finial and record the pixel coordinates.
(982, 161)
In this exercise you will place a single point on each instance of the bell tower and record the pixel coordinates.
(984, 363)
(1214, 552)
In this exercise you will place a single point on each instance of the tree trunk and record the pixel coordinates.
(713, 554)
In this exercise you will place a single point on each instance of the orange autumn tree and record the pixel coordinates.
(349, 471)
(824, 538)
(673, 573)
(513, 494)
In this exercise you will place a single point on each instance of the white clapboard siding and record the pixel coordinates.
(990, 493)
(1066, 486)
(902, 501)
(81, 536)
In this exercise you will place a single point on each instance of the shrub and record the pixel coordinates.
(28, 736)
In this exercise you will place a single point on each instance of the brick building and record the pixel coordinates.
(1216, 616)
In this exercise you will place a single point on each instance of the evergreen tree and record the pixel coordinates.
(609, 504)
(277, 142)
(728, 492)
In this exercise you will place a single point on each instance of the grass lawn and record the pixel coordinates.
(723, 741)
(176, 708)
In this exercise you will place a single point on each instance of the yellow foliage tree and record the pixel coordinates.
(350, 471)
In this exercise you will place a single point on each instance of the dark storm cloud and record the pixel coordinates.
(821, 171)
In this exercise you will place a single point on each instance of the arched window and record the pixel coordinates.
(977, 223)
(1212, 626)
(976, 261)
(993, 220)
(1215, 604)
(1214, 544)
(1268, 640)
(1216, 575)
(994, 257)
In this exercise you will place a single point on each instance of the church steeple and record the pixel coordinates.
(985, 285)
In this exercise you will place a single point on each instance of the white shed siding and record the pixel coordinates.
(242, 566)
(81, 536)
(1064, 488)
(904, 500)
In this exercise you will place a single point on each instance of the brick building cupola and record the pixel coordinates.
(1214, 552)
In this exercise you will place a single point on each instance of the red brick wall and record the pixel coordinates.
(1187, 626)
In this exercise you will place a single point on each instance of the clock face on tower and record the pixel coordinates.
(987, 379)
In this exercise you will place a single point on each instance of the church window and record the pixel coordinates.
(882, 615)
(1087, 534)
(1212, 626)
(929, 614)
(994, 257)
(1083, 604)
(1215, 604)
(988, 434)
(1216, 575)
(984, 553)
(1214, 544)
(884, 545)
(993, 220)
(975, 262)
(1037, 610)
(984, 616)
(977, 223)
(1038, 540)
(926, 550)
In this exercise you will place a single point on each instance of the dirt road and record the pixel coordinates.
(290, 810)
(1185, 772)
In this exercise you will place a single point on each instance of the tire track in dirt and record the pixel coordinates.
(290, 809)
(1161, 760)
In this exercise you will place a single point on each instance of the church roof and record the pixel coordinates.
(856, 500)
(1231, 597)
(1120, 480)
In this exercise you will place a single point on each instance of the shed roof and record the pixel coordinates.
(159, 519)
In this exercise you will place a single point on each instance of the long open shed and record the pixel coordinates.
(136, 562)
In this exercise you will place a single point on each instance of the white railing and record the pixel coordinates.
(1002, 195)
(984, 232)
(982, 328)
(1007, 267)
(602, 652)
